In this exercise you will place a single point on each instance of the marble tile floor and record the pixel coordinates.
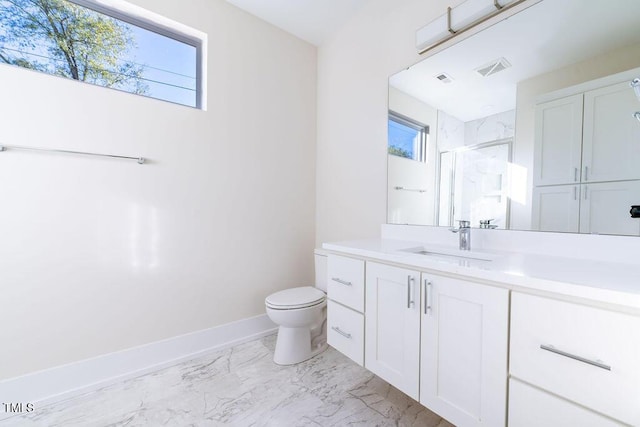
(241, 386)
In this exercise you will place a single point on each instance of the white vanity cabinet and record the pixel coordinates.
(392, 324)
(345, 317)
(574, 355)
(464, 346)
(531, 407)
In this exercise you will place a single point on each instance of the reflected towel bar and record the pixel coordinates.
(3, 147)
(417, 190)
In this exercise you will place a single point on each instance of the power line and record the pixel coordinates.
(103, 69)
(129, 26)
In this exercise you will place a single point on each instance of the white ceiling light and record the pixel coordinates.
(460, 19)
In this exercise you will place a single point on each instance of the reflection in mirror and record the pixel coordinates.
(528, 123)
(473, 184)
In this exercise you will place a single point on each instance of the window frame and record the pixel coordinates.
(143, 18)
(422, 129)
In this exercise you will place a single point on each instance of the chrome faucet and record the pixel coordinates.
(464, 231)
(486, 223)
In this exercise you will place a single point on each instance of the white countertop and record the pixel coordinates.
(602, 282)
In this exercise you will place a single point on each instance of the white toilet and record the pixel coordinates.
(301, 316)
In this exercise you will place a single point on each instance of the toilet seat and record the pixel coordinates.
(295, 298)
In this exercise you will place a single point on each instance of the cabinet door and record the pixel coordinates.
(345, 281)
(556, 208)
(532, 407)
(392, 326)
(464, 348)
(558, 141)
(611, 148)
(604, 208)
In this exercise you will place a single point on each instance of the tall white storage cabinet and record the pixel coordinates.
(464, 351)
(556, 208)
(611, 145)
(589, 139)
(558, 141)
(604, 208)
(392, 326)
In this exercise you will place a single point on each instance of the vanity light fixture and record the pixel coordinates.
(459, 19)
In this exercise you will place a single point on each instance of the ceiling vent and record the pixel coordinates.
(493, 67)
(444, 78)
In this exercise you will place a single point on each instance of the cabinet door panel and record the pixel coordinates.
(604, 208)
(392, 326)
(345, 331)
(558, 141)
(464, 351)
(556, 208)
(531, 407)
(345, 281)
(611, 148)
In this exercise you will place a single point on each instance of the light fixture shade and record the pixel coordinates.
(462, 16)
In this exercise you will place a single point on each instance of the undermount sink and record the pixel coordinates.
(451, 255)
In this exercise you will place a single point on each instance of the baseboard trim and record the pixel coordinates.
(63, 382)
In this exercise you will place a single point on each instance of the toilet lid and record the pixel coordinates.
(295, 298)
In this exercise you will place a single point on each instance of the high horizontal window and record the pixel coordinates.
(407, 138)
(85, 41)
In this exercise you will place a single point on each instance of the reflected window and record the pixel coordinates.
(407, 137)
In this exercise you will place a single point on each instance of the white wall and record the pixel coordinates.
(353, 71)
(102, 255)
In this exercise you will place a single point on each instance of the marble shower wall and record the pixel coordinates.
(454, 133)
(490, 128)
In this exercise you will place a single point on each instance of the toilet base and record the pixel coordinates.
(293, 345)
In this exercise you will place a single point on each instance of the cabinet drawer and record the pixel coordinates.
(345, 281)
(587, 355)
(345, 331)
(532, 407)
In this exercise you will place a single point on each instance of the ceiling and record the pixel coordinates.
(547, 36)
(310, 20)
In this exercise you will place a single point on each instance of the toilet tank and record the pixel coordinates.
(321, 269)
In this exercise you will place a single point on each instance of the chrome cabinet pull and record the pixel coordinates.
(427, 296)
(575, 192)
(410, 280)
(341, 332)
(575, 174)
(596, 363)
(586, 173)
(342, 282)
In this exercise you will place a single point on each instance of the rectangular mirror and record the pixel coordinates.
(526, 125)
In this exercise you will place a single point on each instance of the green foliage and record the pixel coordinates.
(397, 151)
(79, 43)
